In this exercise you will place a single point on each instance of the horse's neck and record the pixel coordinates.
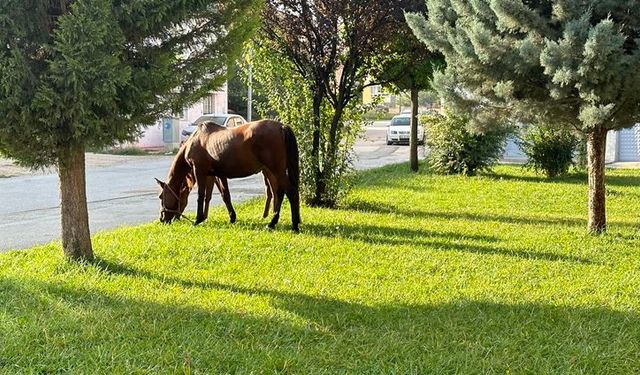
(180, 171)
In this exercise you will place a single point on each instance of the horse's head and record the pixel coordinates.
(173, 201)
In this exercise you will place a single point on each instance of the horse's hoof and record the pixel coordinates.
(270, 227)
(295, 230)
(232, 219)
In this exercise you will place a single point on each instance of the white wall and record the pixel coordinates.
(152, 136)
(611, 152)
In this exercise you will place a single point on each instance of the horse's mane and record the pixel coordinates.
(181, 170)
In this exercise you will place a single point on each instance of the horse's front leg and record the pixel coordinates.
(211, 181)
(223, 186)
(201, 181)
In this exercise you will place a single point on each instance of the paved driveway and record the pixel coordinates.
(122, 192)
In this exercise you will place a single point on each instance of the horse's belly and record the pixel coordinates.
(235, 174)
(235, 170)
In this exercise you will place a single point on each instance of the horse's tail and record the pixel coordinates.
(293, 158)
(293, 171)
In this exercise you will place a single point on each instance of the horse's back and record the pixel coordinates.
(243, 150)
(262, 129)
(210, 127)
(267, 143)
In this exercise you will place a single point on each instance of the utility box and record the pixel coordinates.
(171, 133)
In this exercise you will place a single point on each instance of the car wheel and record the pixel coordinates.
(389, 143)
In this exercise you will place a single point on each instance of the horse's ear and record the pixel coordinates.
(159, 183)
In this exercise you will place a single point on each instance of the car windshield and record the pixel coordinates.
(217, 119)
(401, 121)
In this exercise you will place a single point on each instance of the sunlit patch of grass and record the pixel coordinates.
(412, 274)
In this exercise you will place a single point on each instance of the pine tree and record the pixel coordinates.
(89, 73)
(570, 63)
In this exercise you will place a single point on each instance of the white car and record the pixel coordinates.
(228, 120)
(400, 129)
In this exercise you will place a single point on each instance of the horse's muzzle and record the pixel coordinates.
(166, 217)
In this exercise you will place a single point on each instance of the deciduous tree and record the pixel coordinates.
(331, 44)
(406, 64)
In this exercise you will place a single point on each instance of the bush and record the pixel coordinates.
(378, 114)
(454, 149)
(279, 83)
(549, 150)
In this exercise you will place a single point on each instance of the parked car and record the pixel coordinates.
(400, 129)
(227, 120)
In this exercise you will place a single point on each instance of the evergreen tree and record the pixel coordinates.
(565, 62)
(89, 73)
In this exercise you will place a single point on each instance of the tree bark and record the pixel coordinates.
(76, 237)
(413, 138)
(596, 147)
(315, 152)
(328, 163)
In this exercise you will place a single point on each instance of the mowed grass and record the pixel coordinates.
(413, 274)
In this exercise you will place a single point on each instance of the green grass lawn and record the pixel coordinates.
(414, 274)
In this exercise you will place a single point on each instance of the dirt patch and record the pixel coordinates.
(9, 169)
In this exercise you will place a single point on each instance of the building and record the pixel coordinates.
(371, 93)
(217, 102)
(622, 146)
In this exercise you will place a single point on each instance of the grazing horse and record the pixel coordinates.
(215, 153)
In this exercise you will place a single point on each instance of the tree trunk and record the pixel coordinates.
(321, 198)
(413, 140)
(315, 152)
(76, 238)
(596, 146)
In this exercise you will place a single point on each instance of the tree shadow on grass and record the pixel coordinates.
(441, 241)
(51, 327)
(384, 208)
(574, 178)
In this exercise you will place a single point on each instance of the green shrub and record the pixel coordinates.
(378, 114)
(454, 149)
(549, 150)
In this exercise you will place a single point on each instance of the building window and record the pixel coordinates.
(376, 90)
(209, 104)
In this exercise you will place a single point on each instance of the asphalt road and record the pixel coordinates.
(126, 194)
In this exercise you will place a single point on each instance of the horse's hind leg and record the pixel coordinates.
(294, 201)
(269, 194)
(277, 203)
(272, 182)
(223, 186)
(278, 186)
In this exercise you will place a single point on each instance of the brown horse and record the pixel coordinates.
(215, 153)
